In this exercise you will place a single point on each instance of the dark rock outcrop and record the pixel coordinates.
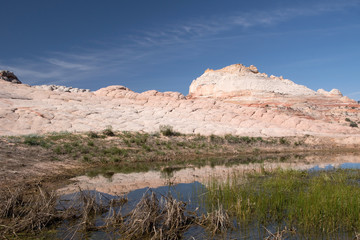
(9, 77)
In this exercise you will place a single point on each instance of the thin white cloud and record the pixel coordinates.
(34, 77)
(354, 94)
(68, 65)
(147, 46)
(198, 28)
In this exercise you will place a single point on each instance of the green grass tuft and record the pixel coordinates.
(311, 202)
(35, 140)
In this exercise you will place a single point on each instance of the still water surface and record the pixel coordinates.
(186, 183)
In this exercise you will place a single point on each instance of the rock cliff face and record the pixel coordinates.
(233, 100)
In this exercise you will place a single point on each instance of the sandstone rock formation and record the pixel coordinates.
(245, 108)
(60, 88)
(334, 92)
(9, 77)
(237, 79)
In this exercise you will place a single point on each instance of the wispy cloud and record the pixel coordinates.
(198, 28)
(353, 95)
(146, 46)
(68, 65)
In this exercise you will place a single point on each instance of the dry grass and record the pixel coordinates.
(89, 209)
(114, 218)
(217, 221)
(33, 213)
(152, 218)
(280, 234)
(175, 219)
(142, 220)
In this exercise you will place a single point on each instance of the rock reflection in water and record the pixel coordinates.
(120, 183)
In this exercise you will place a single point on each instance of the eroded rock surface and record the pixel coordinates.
(282, 109)
(61, 88)
(236, 79)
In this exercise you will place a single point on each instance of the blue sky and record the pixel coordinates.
(165, 44)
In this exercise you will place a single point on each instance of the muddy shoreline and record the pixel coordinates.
(116, 163)
(38, 161)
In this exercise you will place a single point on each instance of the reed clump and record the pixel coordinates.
(142, 220)
(217, 221)
(155, 217)
(324, 201)
(20, 212)
(152, 218)
(90, 207)
(29, 213)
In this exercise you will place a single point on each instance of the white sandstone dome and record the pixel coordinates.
(332, 93)
(237, 78)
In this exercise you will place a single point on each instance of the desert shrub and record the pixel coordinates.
(126, 134)
(232, 139)
(353, 124)
(115, 151)
(181, 144)
(93, 134)
(146, 147)
(283, 141)
(108, 131)
(199, 137)
(34, 140)
(139, 139)
(246, 139)
(167, 130)
(56, 136)
(127, 142)
(168, 145)
(216, 139)
(86, 158)
(347, 119)
(155, 134)
(115, 159)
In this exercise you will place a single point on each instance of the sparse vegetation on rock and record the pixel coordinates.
(353, 124)
(167, 130)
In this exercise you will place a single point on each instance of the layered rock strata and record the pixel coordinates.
(247, 111)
